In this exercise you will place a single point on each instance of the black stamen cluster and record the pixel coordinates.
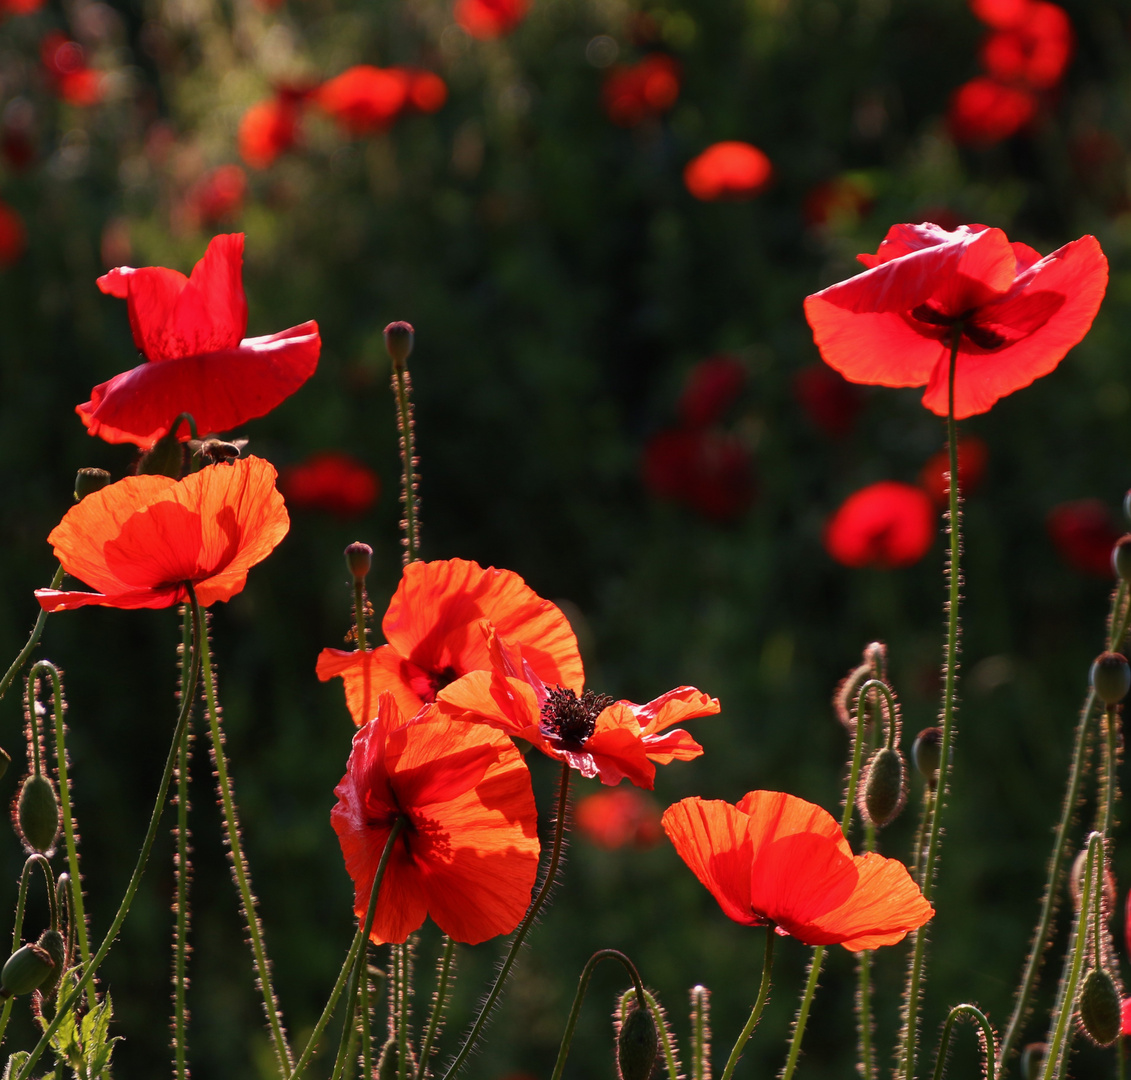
(570, 718)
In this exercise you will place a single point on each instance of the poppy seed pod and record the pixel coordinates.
(88, 481)
(37, 813)
(399, 339)
(637, 1043)
(52, 943)
(359, 559)
(1100, 1007)
(1111, 677)
(1033, 1060)
(926, 752)
(25, 970)
(883, 787)
(1121, 557)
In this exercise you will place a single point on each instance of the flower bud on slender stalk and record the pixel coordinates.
(359, 560)
(88, 481)
(1100, 1007)
(25, 970)
(637, 1041)
(399, 339)
(1111, 677)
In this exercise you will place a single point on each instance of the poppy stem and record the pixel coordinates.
(359, 614)
(18, 926)
(67, 1003)
(523, 928)
(182, 871)
(410, 480)
(987, 1038)
(32, 641)
(582, 986)
(814, 975)
(950, 673)
(756, 1012)
(700, 1033)
(661, 1022)
(1117, 626)
(439, 1004)
(1110, 782)
(240, 869)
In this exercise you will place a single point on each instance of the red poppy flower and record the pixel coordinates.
(972, 457)
(217, 196)
(1083, 532)
(632, 93)
(469, 853)
(333, 482)
(487, 19)
(13, 235)
(1035, 51)
(1001, 14)
(886, 525)
(427, 92)
(708, 470)
(20, 7)
(268, 129)
(613, 819)
(434, 627)
(984, 111)
(65, 62)
(364, 99)
(190, 331)
(138, 541)
(1019, 313)
(728, 170)
(712, 386)
(1125, 1014)
(590, 732)
(830, 401)
(777, 859)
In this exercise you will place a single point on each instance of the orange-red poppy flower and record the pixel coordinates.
(434, 627)
(268, 129)
(828, 399)
(1084, 533)
(137, 542)
(778, 859)
(984, 111)
(888, 524)
(487, 19)
(589, 732)
(613, 819)
(364, 99)
(972, 457)
(427, 92)
(633, 92)
(1033, 52)
(728, 170)
(331, 481)
(1018, 313)
(190, 331)
(468, 855)
(709, 470)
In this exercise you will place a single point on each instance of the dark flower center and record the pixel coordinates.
(570, 718)
(427, 684)
(983, 336)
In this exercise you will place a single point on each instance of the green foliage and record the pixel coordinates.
(84, 1043)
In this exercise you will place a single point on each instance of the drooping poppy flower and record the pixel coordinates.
(138, 541)
(488, 19)
(268, 129)
(468, 856)
(614, 819)
(728, 170)
(777, 859)
(190, 331)
(984, 111)
(589, 732)
(887, 524)
(632, 93)
(434, 629)
(830, 401)
(1083, 533)
(1018, 313)
(13, 236)
(217, 196)
(709, 470)
(333, 482)
(1035, 51)
(712, 386)
(364, 99)
(972, 457)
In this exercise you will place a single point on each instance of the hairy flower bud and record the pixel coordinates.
(926, 752)
(88, 481)
(165, 458)
(359, 559)
(37, 814)
(1111, 677)
(1100, 1007)
(883, 787)
(25, 970)
(52, 943)
(399, 339)
(637, 1043)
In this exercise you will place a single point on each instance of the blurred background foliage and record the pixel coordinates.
(565, 286)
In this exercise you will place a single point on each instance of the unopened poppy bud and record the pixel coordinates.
(1111, 677)
(882, 789)
(52, 943)
(1076, 883)
(388, 1063)
(37, 813)
(25, 970)
(88, 481)
(359, 558)
(637, 1044)
(926, 752)
(399, 339)
(1121, 557)
(1100, 1007)
(1033, 1060)
(165, 458)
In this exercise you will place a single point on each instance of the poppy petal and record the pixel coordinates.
(366, 675)
(682, 703)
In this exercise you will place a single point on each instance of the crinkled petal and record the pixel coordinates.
(365, 676)
(682, 703)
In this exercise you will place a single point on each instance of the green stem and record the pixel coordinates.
(979, 1017)
(815, 962)
(759, 1005)
(700, 1004)
(1106, 809)
(183, 871)
(666, 1047)
(864, 1004)
(67, 1003)
(359, 614)
(32, 641)
(523, 928)
(239, 863)
(402, 386)
(582, 986)
(439, 1004)
(401, 990)
(364, 1023)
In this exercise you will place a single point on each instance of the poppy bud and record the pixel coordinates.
(1100, 1007)
(926, 752)
(1076, 883)
(882, 789)
(399, 339)
(88, 481)
(52, 943)
(1121, 557)
(1111, 677)
(637, 1043)
(37, 813)
(388, 1063)
(165, 458)
(1033, 1060)
(25, 970)
(359, 558)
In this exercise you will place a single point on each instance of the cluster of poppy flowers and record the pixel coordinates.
(1025, 53)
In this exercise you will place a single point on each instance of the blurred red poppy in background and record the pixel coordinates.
(616, 818)
(13, 235)
(364, 99)
(1035, 51)
(633, 92)
(332, 481)
(487, 19)
(728, 170)
(1017, 313)
(66, 66)
(1083, 533)
(973, 454)
(468, 856)
(830, 401)
(268, 129)
(777, 859)
(708, 470)
(217, 196)
(20, 7)
(190, 331)
(1000, 14)
(984, 111)
(138, 541)
(712, 386)
(887, 524)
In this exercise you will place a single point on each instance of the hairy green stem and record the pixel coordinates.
(402, 387)
(439, 1003)
(700, 1034)
(183, 870)
(759, 1005)
(975, 1014)
(666, 1047)
(32, 641)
